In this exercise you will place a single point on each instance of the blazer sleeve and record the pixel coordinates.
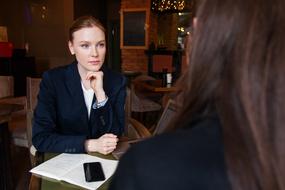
(111, 117)
(45, 135)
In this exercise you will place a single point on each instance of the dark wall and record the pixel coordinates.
(113, 34)
(96, 8)
(114, 7)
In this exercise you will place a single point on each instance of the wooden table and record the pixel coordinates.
(44, 183)
(5, 158)
(39, 183)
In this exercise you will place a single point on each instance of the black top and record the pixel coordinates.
(61, 122)
(187, 159)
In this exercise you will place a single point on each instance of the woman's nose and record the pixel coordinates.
(94, 52)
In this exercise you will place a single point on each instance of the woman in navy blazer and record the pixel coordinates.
(81, 106)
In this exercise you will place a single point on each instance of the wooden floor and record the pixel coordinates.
(21, 166)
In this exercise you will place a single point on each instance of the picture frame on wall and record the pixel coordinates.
(134, 28)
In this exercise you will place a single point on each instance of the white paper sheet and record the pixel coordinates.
(69, 168)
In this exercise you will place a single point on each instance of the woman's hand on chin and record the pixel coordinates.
(96, 83)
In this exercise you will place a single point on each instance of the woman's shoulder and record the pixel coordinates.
(192, 158)
(60, 70)
(202, 138)
(112, 75)
(113, 81)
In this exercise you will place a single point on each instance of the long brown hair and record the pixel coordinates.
(238, 70)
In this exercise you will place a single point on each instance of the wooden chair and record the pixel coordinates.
(133, 128)
(169, 112)
(144, 103)
(17, 124)
(139, 102)
(7, 86)
(138, 132)
(21, 122)
(33, 86)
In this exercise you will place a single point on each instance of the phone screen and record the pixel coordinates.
(93, 171)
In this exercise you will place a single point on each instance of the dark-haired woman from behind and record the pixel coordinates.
(232, 128)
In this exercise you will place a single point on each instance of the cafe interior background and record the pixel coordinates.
(36, 32)
(40, 27)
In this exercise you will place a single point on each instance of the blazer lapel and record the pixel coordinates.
(73, 82)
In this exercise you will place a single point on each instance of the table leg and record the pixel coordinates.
(6, 182)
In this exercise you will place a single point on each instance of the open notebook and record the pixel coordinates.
(167, 115)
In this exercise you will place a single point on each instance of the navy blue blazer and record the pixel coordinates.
(61, 122)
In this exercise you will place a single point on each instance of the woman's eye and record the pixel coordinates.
(102, 45)
(84, 45)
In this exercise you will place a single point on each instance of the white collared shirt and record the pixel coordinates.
(88, 97)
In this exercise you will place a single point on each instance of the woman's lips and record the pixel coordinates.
(94, 62)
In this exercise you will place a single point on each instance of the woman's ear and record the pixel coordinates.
(71, 49)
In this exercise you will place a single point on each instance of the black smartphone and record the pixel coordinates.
(93, 171)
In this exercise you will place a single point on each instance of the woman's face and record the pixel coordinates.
(89, 47)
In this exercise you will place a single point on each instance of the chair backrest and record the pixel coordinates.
(127, 110)
(140, 102)
(33, 87)
(167, 115)
(133, 129)
(135, 89)
(6, 86)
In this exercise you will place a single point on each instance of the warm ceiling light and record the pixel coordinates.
(168, 5)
